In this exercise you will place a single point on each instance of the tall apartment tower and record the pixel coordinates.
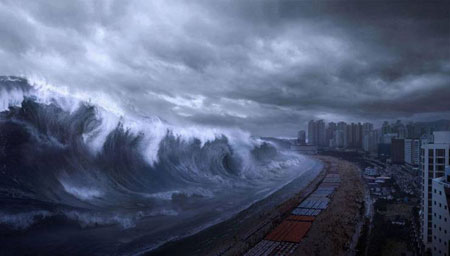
(398, 151)
(434, 158)
(321, 136)
(301, 137)
(412, 151)
(312, 133)
(316, 133)
(349, 135)
(441, 215)
(366, 129)
(341, 135)
(330, 134)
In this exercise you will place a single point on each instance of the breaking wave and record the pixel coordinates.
(64, 157)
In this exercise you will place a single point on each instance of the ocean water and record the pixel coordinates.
(84, 178)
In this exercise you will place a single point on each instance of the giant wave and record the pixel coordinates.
(66, 161)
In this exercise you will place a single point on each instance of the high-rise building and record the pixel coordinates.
(412, 151)
(321, 136)
(339, 138)
(317, 133)
(341, 135)
(398, 151)
(386, 128)
(387, 138)
(349, 135)
(370, 141)
(434, 157)
(301, 137)
(366, 128)
(401, 131)
(330, 134)
(357, 135)
(312, 133)
(440, 220)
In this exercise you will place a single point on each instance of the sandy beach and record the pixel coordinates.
(330, 234)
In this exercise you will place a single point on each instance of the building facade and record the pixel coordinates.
(398, 151)
(321, 136)
(312, 133)
(441, 215)
(412, 151)
(434, 158)
(301, 137)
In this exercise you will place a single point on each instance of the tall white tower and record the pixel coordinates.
(434, 158)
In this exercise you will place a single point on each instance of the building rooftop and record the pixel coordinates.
(441, 137)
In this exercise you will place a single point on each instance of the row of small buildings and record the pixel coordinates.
(287, 236)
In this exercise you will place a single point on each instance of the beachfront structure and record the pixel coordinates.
(434, 157)
(441, 215)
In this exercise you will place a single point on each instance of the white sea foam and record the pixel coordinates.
(23, 220)
(11, 97)
(82, 193)
(90, 219)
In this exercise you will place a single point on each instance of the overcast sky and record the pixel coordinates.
(264, 66)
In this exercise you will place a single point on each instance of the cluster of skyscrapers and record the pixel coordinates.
(414, 144)
(395, 141)
(338, 135)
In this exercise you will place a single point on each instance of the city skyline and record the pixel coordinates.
(409, 129)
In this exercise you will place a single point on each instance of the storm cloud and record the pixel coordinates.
(263, 66)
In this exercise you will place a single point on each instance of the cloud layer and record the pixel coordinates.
(264, 66)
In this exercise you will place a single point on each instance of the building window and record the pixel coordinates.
(440, 152)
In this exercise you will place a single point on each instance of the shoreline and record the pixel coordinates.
(335, 230)
(237, 234)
